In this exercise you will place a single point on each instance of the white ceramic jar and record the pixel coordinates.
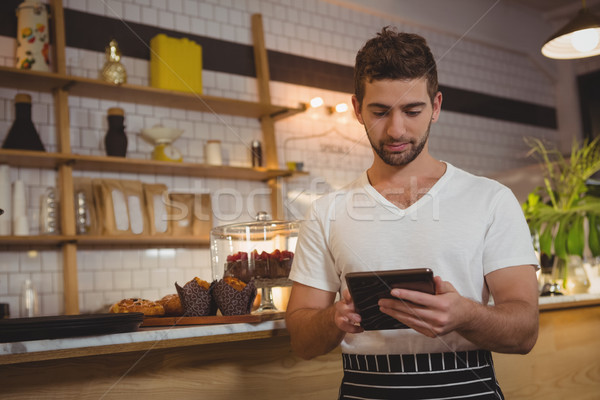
(212, 152)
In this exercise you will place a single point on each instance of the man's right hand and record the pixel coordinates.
(346, 318)
(316, 322)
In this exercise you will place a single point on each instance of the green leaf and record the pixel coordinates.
(594, 234)
(546, 240)
(560, 240)
(533, 199)
(576, 236)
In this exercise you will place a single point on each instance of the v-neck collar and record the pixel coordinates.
(417, 204)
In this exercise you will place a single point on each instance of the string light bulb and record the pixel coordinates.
(341, 107)
(338, 108)
(316, 102)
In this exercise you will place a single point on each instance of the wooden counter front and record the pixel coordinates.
(565, 362)
(254, 369)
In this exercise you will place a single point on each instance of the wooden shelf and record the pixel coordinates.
(32, 159)
(130, 165)
(137, 241)
(36, 81)
(86, 87)
(34, 242)
(38, 159)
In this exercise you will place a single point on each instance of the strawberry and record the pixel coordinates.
(286, 254)
(275, 254)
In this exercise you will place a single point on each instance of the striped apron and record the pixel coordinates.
(428, 376)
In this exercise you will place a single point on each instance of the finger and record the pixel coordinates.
(438, 284)
(442, 286)
(412, 296)
(347, 311)
(400, 305)
(412, 320)
(346, 296)
(399, 309)
(347, 325)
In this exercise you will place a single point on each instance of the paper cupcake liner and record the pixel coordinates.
(233, 302)
(196, 301)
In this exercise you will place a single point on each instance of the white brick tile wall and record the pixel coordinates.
(312, 28)
(140, 279)
(103, 280)
(122, 279)
(85, 281)
(166, 19)
(149, 16)
(51, 304)
(114, 8)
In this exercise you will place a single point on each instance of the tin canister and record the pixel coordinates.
(33, 41)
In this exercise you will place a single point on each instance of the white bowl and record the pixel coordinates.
(161, 134)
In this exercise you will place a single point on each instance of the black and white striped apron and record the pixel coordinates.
(459, 375)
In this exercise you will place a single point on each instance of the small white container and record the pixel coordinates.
(212, 152)
(21, 226)
(19, 210)
(19, 200)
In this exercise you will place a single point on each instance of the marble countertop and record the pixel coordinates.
(552, 302)
(143, 339)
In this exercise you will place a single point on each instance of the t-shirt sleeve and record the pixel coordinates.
(508, 240)
(313, 263)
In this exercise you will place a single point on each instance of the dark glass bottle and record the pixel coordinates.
(256, 154)
(22, 134)
(115, 140)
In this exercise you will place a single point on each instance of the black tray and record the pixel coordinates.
(54, 327)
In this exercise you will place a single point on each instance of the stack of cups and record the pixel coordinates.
(5, 200)
(19, 211)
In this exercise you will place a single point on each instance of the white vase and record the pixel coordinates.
(33, 41)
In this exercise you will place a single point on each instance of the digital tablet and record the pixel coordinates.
(366, 288)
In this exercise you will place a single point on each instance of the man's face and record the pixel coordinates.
(397, 115)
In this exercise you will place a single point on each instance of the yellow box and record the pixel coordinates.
(175, 64)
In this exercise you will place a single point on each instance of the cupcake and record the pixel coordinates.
(234, 296)
(172, 305)
(196, 298)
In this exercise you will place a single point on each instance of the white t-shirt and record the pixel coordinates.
(463, 228)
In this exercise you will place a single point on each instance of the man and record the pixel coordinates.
(410, 210)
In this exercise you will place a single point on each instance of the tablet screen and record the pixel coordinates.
(366, 288)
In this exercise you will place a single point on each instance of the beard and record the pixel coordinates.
(396, 159)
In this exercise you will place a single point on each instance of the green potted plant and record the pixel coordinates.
(558, 211)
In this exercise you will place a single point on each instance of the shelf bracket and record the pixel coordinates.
(67, 86)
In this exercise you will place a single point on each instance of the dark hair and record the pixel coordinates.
(394, 55)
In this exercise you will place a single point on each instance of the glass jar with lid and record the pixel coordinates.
(262, 250)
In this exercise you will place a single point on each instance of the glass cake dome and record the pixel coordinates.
(262, 250)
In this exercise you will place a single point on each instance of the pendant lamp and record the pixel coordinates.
(579, 38)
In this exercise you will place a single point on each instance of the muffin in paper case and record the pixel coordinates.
(232, 301)
(196, 300)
